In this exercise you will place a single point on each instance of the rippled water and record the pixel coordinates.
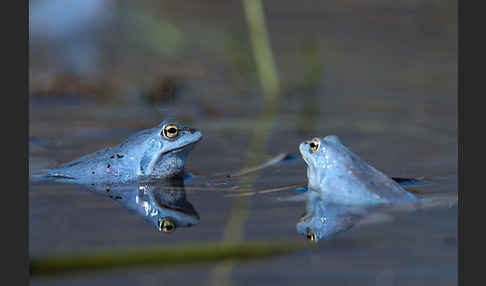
(387, 88)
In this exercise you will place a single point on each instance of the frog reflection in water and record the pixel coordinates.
(323, 220)
(157, 152)
(161, 202)
(341, 186)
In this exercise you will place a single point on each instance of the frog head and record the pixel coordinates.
(321, 155)
(162, 151)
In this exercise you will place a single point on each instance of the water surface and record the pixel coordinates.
(385, 83)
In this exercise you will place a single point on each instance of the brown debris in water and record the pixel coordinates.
(67, 83)
(163, 90)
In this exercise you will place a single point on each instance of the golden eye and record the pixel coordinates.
(311, 235)
(166, 225)
(313, 145)
(170, 131)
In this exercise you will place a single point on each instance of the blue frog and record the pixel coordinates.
(159, 152)
(341, 177)
(342, 188)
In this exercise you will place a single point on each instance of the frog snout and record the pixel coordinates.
(304, 143)
(303, 148)
(197, 134)
(301, 145)
(189, 129)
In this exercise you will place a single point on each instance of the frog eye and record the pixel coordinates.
(311, 235)
(170, 131)
(166, 225)
(313, 145)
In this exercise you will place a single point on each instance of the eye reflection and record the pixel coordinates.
(166, 225)
(311, 235)
(170, 131)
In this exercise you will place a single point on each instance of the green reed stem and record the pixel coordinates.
(262, 131)
(116, 258)
(262, 51)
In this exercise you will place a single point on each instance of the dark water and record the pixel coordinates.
(382, 76)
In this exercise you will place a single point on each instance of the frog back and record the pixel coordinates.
(353, 181)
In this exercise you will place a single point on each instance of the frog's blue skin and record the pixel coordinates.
(144, 154)
(341, 177)
(154, 200)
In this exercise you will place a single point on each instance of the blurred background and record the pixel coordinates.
(382, 75)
